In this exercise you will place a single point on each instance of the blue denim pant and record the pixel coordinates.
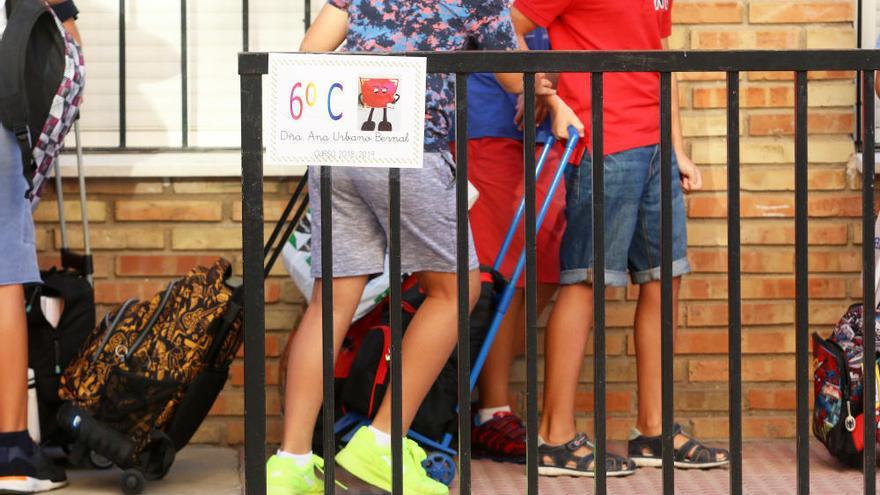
(19, 262)
(632, 220)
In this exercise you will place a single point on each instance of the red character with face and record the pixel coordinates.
(378, 93)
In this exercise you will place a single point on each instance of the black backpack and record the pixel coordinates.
(42, 67)
(51, 349)
(367, 382)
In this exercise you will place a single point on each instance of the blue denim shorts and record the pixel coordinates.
(632, 220)
(19, 262)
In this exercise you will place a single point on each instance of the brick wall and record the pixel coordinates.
(147, 231)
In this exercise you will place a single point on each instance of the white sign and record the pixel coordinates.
(346, 110)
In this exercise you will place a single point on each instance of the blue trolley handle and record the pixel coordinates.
(508, 240)
(507, 296)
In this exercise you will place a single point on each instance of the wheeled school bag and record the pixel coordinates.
(51, 349)
(368, 379)
(838, 412)
(40, 85)
(150, 372)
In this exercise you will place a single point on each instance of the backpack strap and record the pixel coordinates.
(22, 17)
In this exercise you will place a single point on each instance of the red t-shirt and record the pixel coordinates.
(632, 100)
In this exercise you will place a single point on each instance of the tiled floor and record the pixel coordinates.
(769, 469)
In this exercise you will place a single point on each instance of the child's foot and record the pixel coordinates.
(285, 477)
(25, 469)
(502, 439)
(576, 458)
(367, 460)
(690, 453)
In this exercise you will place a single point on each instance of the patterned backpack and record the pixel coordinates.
(150, 372)
(838, 412)
(41, 86)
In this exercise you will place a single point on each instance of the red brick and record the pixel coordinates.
(169, 210)
(789, 12)
(768, 427)
(160, 265)
(771, 399)
(753, 313)
(707, 12)
(615, 401)
(116, 292)
(817, 123)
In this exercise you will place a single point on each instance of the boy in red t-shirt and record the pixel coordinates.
(632, 233)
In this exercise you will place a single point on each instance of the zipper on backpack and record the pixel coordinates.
(111, 328)
(149, 326)
(850, 421)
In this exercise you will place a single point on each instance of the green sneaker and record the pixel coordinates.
(284, 477)
(366, 460)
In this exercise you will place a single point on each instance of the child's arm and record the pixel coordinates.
(691, 178)
(328, 31)
(563, 115)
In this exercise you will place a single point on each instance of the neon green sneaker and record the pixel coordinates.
(284, 477)
(366, 460)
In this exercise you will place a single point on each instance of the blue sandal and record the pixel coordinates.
(647, 451)
(561, 460)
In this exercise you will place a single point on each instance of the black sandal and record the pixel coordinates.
(560, 460)
(647, 452)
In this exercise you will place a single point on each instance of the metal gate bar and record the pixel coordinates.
(868, 246)
(802, 304)
(666, 310)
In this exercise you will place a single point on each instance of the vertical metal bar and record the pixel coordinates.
(307, 19)
(463, 259)
(870, 358)
(802, 304)
(666, 315)
(734, 302)
(327, 343)
(122, 103)
(531, 296)
(184, 77)
(245, 26)
(83, 202)
(254, 292)
(396, 336)
(597, 134)
(59, 193)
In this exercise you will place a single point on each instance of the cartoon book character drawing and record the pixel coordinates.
(378, 93)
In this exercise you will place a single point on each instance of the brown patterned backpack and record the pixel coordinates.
(149, 373)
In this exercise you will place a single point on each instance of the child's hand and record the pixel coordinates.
(563, 117)
(691, 178)
(541, 111)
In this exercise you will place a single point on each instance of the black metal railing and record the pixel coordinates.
(252, 66)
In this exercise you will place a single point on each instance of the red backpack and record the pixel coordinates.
(838, 412)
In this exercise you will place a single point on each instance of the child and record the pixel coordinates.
(495, 151)
(23, 466)
(632, 229)
(360, 223)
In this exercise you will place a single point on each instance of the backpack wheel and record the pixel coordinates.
(440, 467)
(132, 482)
(98, 461)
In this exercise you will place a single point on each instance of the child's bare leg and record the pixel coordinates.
(14, 356)
(495, 376)
(494, 381)
(428, 343)
(304, 392)
(648, 355)
(565, 340)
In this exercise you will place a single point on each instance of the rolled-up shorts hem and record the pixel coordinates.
(613, 278)
(616, 278)
(680, 267)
